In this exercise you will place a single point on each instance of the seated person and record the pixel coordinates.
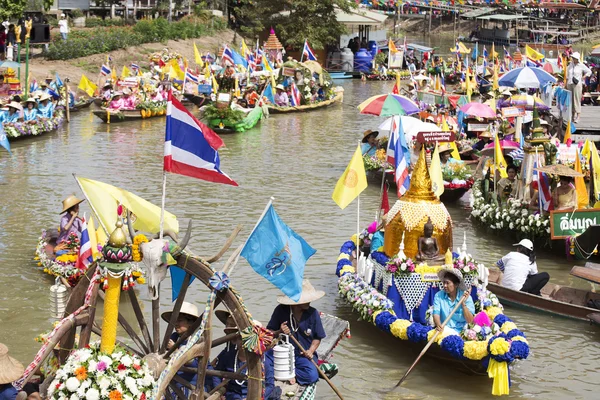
(251, 96)
(14, 113)
(107, 91)
(70, 221)
(370, 142)
(281, 97)
(445, 152)
(116, 103)
(484, 139)
(188, 314)
(299, 319)
(509, 187)
(45, 107)
(378, 237)
(564, 197)
(445, 301)
(129, 101)
(428, 248)
(10, 371)
(520, 269)
(30, 114)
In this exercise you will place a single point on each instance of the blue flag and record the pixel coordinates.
(278, 253)
(59, 82)
(4, 139)
(268, 93)
(177, 277)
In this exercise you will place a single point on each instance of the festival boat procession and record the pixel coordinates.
(480, 258)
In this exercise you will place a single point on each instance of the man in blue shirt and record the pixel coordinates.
(370, 142)
(45, 108)
(10, 371)
(304, 323)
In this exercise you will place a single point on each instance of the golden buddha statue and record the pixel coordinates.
(412, 212)
(428, 249)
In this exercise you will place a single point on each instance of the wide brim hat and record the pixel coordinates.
(115, 94)
(31, 100)
(486, 134)
(15, 105)
(70, 202)
(186, 309)
(280, 87)
(445, 147)
(451, 270)
(10, 368)
(576, 55)
(369, 133)
(560, 170)
(126, 91)
(45, 96)
(308, 295)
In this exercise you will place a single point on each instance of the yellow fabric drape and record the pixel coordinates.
(499, 372)
(580, 188)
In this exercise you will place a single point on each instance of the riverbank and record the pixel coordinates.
(90, 65)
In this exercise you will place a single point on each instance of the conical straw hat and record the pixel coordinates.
(70, 202)
(10, 368)
(309, 294)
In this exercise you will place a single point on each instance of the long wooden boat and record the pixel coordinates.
(197, 100)
(81, 105)
(223, 127)
(113, 116)
(555, 299)
(21, 130)
(591, 272)
(338, 98)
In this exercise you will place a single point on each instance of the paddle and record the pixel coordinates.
(462, 300)
(321, 373)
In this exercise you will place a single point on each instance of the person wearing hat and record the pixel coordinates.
(445, 152)
(129, 101)
(251, 96)
(369, 143)
(116, 102)
(485, 138)
(299, 319)
(281, 97)
(564, 196)
(378, 236)
(576, 73)
(10, 371)
(509, 187)
(45, 106)
(30, 114)
(70, 221)
(519, 269)
(454, 288)
(14, 112)
(107, 91)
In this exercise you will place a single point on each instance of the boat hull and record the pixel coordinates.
(339, 97)
(81, 106)
(249, 122)
(113, 116)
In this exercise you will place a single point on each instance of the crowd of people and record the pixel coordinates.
(40, 104)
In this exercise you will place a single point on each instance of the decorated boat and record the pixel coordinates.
(144, 110)
(338, 97)
(394, 287)
(59, 259)
(198, 100)
(80, 105)
(232, 121)
(39, 127)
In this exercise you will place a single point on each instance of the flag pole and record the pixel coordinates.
(302, 55)
(358, 225)
(162, 204)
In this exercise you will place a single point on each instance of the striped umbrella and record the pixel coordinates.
(527, 101)
(386, 105)
(526, 77)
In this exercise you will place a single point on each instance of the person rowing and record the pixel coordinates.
(445, 301)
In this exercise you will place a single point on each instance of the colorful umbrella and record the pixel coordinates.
(474, 109)
(527, 101)
(506, 145)
(526, 77)
(410, 125)
(386, 105)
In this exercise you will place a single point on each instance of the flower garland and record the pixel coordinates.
(503, 343)
(135, 247)
(400, 266)
(18, 129)
(88, 373)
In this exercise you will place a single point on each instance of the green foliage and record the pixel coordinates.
(313, 20)
(85, 42)
(380, 58)
(76, 13)
(47, 4)
(93, 22)
(227, 115)
(12, 8)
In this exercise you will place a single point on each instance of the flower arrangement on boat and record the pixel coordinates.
(18, 129)
(376, 162)
(91, 374)
(400, 265)
(465, 264)
(457, 175)
(63, 265)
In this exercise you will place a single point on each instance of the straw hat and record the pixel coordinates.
(10, 368)
(188, 309)
(453, 271)
(309, 294)
(15, 105)
(45, 96)
(115, 94)
(369, 133)
(280, 87)
(443, 148)
(507, 92)
(560, 170)
(576, 55)
(70, 202)
(485, 134)
(43, 84)
(126, 91)
(31, 100)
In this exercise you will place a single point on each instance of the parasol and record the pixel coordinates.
(474, 109)
(506, 145)
(10, 64)
(526, 100)
(559, 169)
(410, 125)
(386, 105)
(526, 77)
(595, 52)
(421, 77)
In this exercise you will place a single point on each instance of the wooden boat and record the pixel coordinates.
(339, 97)
(23, 130)
(591, 272)
(81, 105)
(222, 126)
(113, 116)
(98, 101)
(197, 100)
(342, 75)
(555, 299)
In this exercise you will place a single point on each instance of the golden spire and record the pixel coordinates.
(420, 182)
(117, 237)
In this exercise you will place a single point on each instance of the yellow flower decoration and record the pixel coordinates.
(519, 339)
(343, 256)
(399, 328)
(381, 154)
(347, 268)
(508, 326)
(141, 280)
(475, 350)
(493, 311)
(135, 247)
(440, 336)
(353, 239)
(499, 347)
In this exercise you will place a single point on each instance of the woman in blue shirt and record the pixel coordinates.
(14, 112)
(445, 301)
(30, 113)
(45, 108)
(370, 143)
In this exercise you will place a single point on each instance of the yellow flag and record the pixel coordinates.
(105, 198)
(499, 160)
(91, 226)
(215, 85)
(266, 64)
(207, 72)
(586, 150)
(113, 74)
(568, 132)
(245, 50)
(595, 170)
(565, 66)
(197, 56)
(87, 86)
(237, 88)
(435, 173)
(582, 193)
(398, 81)
(495, 84)
(392, 47)
(352, 182)
(126, 72)
(468, 89)
(101, 236)
(532, 54)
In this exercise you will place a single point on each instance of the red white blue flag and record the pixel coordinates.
(397, 155)
(308, 53)
(295, 95)
(227, 55)
(85, 250)
(191, 147)
(544, 194)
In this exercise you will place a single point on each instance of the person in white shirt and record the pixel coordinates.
(520, 270)
(63, 25)
(576, 73)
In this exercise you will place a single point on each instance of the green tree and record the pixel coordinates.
(12, 8)
(294, 20)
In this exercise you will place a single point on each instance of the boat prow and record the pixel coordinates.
(338, 98)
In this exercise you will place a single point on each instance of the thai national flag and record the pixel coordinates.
(105, 70)
(191, 77)
(251, 62)
(34, 87)
(227, 55)
(507, 54)
(85, 250)
(532, 63)
(135, 68)
(295, 95)
(191, 147)
(544, 194)
(398, 155)
(308, 53)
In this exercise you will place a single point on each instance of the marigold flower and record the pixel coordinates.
(115, 395)
(81, 373)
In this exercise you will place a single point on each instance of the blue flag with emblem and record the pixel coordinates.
(278, 253)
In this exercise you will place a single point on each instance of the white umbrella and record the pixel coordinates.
(410, 125)
(421, 77)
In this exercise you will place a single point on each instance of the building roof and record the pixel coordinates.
(477, 12)
(502, 17)
(418, 47)
(360, 17)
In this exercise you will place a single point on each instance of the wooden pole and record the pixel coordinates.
(430, 15)
(67, 105)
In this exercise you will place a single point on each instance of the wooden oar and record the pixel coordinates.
(318, 369)
(462, 300)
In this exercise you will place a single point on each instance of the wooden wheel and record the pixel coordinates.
(144, 339)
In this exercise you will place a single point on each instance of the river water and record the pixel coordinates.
(297, 159)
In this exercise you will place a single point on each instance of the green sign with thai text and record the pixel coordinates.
(568, 223)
